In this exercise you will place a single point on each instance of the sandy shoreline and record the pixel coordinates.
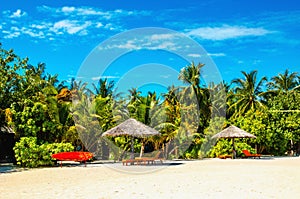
(211, 178)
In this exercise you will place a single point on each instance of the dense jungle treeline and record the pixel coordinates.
(36, 104)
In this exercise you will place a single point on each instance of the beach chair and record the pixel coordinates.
(151, 160)
(224, 156)
(130, 161)
(251, 155)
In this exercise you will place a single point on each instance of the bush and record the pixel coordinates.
(224, 147)
(29, 154)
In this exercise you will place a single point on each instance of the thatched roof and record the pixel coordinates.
(133, 128)
(233, 132)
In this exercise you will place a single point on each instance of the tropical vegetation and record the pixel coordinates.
(49, 115)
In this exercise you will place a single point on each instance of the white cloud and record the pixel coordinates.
(163, 45)
(41, 25)
(146, 40)
(130, 44)
(99, 25)
(161, 36)
(208, 54)
(137, 44)
(91, 11)
(67, 9)
(19, 13)
(16, 32)
(69, 26)
(105, 77)
(60, 22)
(227, 32)
(194, 55)
(10, 35)
(31, 33)
(216, 54)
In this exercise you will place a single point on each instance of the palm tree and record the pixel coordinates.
(246, 95)
(217, 102)
(134, 102)
(134, 95)
(191, 75)
(284, 82)
(104, 88)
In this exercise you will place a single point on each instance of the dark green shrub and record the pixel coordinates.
(29, 154)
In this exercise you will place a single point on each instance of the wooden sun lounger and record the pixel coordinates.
(130, 161)
(251, 155)
(225, 156)
(143, 160)
(152, 160)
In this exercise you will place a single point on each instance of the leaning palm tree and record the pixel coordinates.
(247, 93)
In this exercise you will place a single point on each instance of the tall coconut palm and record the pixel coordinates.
(134, 102)
(104, 88)
(218, 98)
(246, 93)
(191, 75)
(284, 82)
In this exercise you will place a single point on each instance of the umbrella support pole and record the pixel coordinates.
(233, 150)
(132, 150)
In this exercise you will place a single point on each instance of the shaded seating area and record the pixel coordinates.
(251, 155)
(133, 128)
(233, 132)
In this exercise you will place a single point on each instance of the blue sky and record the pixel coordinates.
(261, 35)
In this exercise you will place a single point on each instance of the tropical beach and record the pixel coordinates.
(154, 99)
(208, 178)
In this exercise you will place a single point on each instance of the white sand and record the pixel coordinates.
(211, 178)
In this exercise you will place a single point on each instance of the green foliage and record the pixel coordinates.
(31, 105)
(215, 126)
(246, 93)
(30, 154)
(224, 147)
(277, 128)
(10, 80)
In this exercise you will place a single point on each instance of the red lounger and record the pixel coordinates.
(73, 156)
(249, 155)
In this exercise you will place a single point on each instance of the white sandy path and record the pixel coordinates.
(213, 178)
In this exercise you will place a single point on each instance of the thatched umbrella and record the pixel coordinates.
(233, 132)
(133, 128)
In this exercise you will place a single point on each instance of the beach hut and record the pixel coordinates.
(233, 132)
(132, 128)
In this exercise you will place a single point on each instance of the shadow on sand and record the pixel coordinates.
(9, 168)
